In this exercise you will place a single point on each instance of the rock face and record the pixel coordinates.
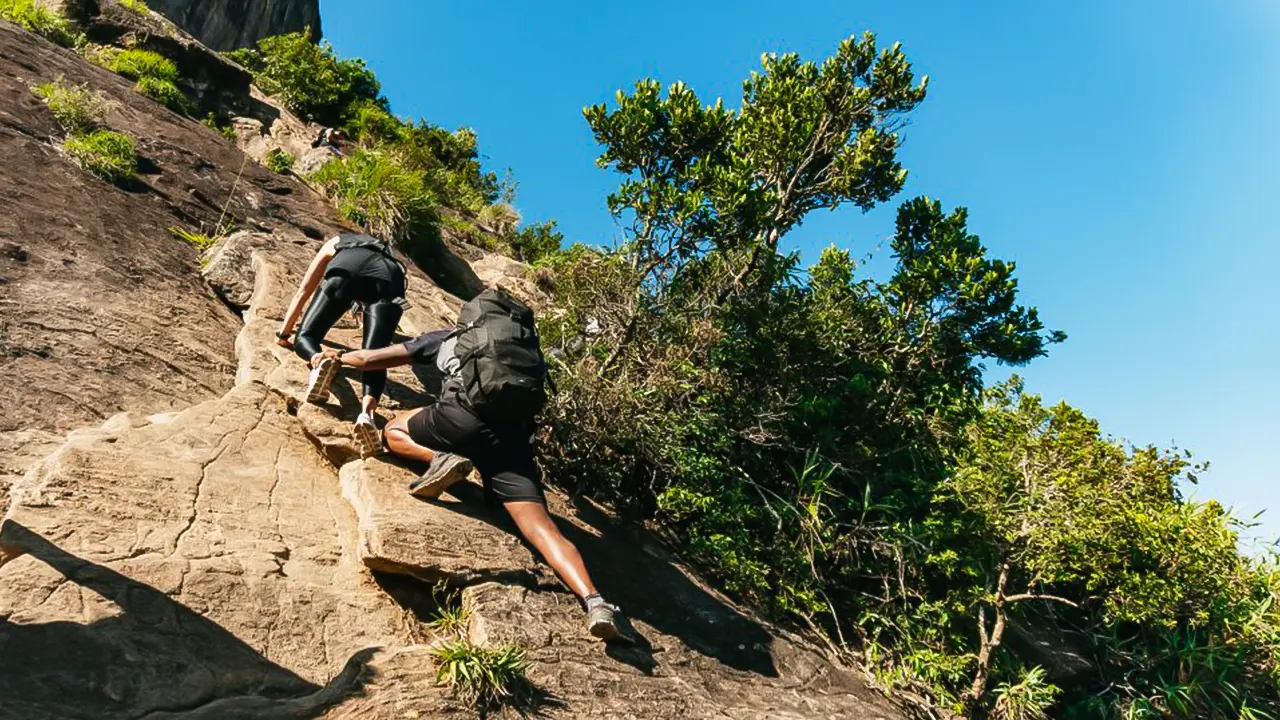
(231, 24)
(184, 539)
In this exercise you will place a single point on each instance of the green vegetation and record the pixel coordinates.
(400, 173)
(375, 190)
(108, 154)
(212, 122)
(279, 161)
(309, 78)
(137, 64)
(41, 21)
(157, 76)
(487, 677)
(536, 243)
(165, 93)
(75, 107)
(821, 443)
(138, 6)
(450, 617)
(198, 240)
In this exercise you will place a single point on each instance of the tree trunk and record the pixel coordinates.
(989, 641)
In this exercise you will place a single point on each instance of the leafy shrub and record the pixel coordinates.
(535, 243)
(279, 161)
(374, 190)
(41, 21)
(165, 93)
(137, 64)
(138, 6)
(75, 107)
(484, 676)
(110, 155)
(310, 79)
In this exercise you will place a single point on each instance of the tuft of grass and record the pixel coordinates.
(374, 190)
(484, 676)
(197, 240)
(137, 6)
(110, 155)
(137, 64)
(41, 21)
(212, 122)
(75, 107)
(500, 218)
(279, 161)
(165, 93)
(449, 618)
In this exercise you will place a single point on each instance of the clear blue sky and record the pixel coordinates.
(1125, 154)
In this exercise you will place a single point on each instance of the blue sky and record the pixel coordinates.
(1126, 155)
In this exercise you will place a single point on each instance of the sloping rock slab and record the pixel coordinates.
(433, 540)
(584, 679)
(169, 563)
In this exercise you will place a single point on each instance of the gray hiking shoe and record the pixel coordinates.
(603, 622)
(446, 469)
(321, 378)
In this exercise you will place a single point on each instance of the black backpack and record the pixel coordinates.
(500, 363)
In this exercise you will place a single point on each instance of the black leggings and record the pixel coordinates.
(331, 301)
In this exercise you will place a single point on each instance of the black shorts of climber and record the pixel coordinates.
(503, 457)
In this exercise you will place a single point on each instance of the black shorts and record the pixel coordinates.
(503, 457)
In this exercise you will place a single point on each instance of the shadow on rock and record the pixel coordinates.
(634, 572)
(157, 658)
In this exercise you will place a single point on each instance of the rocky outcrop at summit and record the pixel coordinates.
(231, 24)
(185, 539)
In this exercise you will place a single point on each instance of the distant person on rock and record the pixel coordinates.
(349, 269)
(493, 386)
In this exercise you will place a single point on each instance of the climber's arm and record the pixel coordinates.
(381, 359)
(310, 281)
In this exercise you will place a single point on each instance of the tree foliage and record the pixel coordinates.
(820, 441)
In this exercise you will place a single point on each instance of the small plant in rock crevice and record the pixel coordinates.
(487, 677)
(110, 155)
(137, 6)
(76, 108)
(449, 617)
(278, 161)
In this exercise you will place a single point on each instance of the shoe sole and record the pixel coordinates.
(318, 394)
(605, 631)
(366, 439)
(433, 489)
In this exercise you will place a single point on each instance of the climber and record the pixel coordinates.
(348, 269)
(485, 415)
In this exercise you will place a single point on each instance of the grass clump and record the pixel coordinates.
(76, 108)
(449, 617)
(110, 155)
(137, 6)
(165, 93)
(484, 676)
(198, 240)
(41, 21)
(374, 190)
(279, 161)
(137, 64)
(156, 74)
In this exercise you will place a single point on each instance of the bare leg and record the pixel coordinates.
(399, 442)
(369, 404)
(540, 530)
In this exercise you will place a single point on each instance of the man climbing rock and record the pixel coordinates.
(493, 386)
